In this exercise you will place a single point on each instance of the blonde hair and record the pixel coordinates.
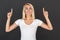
(23, 14)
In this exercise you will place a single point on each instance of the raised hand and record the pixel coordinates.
(45, 13)
(9, 15)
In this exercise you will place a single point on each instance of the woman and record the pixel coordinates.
(28, 24)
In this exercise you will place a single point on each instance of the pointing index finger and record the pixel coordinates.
(11, 10)
(43, 10)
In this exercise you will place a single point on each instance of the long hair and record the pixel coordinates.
(23, 13)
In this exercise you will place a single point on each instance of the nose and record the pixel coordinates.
(28, 9)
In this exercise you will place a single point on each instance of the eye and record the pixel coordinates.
(30, 8)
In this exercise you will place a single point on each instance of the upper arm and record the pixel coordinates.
(42, 24)
(45, 26)
(13, 26)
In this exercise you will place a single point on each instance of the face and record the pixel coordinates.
(28, 10)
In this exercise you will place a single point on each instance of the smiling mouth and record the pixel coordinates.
(28, 13)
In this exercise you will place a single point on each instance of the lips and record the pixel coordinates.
(28, 12)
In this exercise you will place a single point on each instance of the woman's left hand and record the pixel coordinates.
(45, 13)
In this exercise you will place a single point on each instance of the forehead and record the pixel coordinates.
(27, 6)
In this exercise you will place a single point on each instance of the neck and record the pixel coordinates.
(28, 17)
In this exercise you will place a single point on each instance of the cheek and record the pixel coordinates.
(30, 11)
(26, 11)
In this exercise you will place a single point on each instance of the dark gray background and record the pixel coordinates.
(52, 6)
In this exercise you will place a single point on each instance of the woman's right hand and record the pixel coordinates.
(9, 15)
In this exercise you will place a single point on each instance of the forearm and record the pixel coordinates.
(8, 24)
(48, 23)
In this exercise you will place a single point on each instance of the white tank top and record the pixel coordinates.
(28, 32)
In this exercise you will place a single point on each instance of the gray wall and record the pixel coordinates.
(53, 7)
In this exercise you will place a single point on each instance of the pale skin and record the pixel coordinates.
(28, 19)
